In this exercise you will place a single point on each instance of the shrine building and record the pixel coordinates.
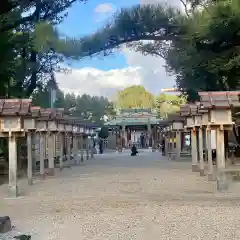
(137, 126)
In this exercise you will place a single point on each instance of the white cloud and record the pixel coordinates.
(152, 68)
(97, 82)
(145, 70)
(104, 8)
(103, 11)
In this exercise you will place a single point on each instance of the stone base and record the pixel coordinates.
(211, 177)
(222, 182)
(202, 174)
(51, 171)
(5, 224)
(13, 192)
(195, 168)
(42, 176)
(30, 181)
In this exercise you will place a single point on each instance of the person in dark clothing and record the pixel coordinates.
(142, 140)
(163, 147)
(101, 146)
(134, 150)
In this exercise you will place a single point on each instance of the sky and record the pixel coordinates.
(106, 75)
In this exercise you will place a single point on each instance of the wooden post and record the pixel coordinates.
(12, 187)
(29, 156)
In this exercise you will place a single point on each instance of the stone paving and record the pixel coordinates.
(115, 196)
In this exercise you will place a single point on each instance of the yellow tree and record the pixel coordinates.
(134, 97)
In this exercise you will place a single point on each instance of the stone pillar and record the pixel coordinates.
(178, 144)
(81, 146)
(61, 139)
(12, 155)
(221, 176)
(75, 151)
(92, 149)
(194, 152)
(211, 176)
(166, 144)
(87, 148)
(201, 160)
(123, 136)
(51, 154)
(68, 150)
(220, 149)
(149, 129)
(29, 156)
(42, 150)
(35, 143)
(154, 139)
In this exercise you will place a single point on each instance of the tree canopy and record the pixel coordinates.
(30, 46)
(168, 103)
(85, 107)
(135, 96)
(200, 46)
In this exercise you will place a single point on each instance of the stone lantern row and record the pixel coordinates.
(18, 118)
(213, 112)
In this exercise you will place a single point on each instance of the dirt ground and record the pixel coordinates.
(115, 196)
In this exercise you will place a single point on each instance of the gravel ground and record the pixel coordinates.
(116, 197)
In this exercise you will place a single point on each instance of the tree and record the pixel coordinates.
(30, 46)
(134, 97)
(167, 103)
(200, 46)
(44, 10)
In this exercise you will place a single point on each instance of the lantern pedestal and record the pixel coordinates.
(12, 187)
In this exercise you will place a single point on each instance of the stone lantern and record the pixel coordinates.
(219, 105)
(42, 130)
(30, 125)
(69, 133)
(61, 129)
(178, 127)
(12, 114)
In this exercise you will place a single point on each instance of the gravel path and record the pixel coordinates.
(116, 197)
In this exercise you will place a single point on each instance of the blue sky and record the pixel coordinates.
(82, 20)
(104, 76)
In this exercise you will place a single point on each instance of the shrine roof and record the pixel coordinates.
(134, 117)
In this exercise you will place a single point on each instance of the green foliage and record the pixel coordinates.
(167, 103)
(84, 107)
(201, 47)
(30, 46)
(134, 97)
